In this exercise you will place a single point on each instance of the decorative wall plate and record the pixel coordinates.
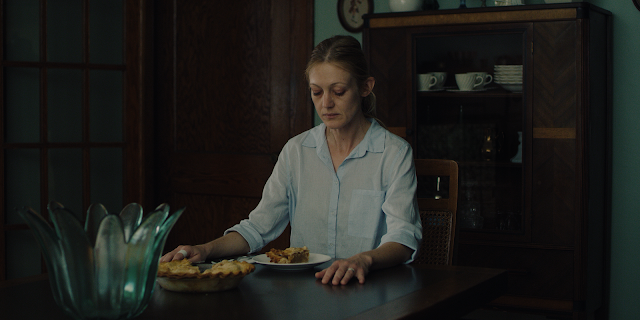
(350, 13)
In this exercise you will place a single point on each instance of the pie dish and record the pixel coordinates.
(182, 276)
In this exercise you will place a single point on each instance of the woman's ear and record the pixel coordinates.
(368, 86)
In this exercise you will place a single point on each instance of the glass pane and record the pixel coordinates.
(65, 179)
(105, 102)
(64, 105)
(105, 31)
(106, 178)
(64, 31)
(22, 176)
(23, 254)
(22, 105)
(22, 30)
(481, 131)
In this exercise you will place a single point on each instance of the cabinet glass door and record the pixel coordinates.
(481, 128)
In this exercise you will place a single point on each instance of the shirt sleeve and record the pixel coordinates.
(269, 219)
(401, 204)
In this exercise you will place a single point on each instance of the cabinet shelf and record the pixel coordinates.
(490, 164)
(490, 93)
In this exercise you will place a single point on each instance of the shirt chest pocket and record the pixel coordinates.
(365, 213)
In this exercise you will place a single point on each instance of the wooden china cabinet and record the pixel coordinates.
(534, 156)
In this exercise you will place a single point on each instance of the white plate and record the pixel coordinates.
(507, 79)
(507, 66)
(314, 260)
(512, 87)
(509, 82)
(508, 74)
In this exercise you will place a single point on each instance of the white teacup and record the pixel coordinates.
(468, 81)
(426, 82)
(486, 78)
(441, 77)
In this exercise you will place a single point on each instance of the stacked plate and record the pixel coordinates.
(508, 76)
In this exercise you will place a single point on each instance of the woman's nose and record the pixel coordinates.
(327, 101)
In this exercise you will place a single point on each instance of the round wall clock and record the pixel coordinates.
(350, 13)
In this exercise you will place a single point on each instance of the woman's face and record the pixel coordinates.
(335, 95)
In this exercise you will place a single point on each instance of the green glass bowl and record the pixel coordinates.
(106, 269)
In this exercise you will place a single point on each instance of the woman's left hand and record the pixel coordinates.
(341, 271)
(386, 255)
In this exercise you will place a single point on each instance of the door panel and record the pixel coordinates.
(230, 91)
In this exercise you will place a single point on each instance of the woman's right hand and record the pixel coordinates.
(231, 244)
(193, 253)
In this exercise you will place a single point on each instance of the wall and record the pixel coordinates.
(625, 239)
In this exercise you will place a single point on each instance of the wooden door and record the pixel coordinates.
(72, 100)
(229, 91)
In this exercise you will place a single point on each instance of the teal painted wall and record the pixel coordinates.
(625, 220)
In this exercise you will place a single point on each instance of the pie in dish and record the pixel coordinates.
(182, 276)
(181, 269)
(289, 255)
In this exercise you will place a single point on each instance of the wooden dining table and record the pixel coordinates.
(401, 292)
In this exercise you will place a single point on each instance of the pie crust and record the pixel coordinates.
(182, 276)
(183, 269)
(289, 255)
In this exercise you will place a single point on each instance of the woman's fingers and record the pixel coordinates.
(178, 253)
(341, 272)
(348, 274)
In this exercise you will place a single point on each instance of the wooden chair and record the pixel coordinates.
(437, 209)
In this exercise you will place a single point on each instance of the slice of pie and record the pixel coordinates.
(289, 255)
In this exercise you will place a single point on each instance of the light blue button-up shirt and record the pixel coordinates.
(369, 201)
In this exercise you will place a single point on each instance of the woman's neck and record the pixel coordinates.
(342, 141)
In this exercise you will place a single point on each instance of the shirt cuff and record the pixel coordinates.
(253, 238)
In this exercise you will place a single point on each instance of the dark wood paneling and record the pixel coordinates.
(555, 75)
(554, 176)
(206, 217)
(554, 157)
(138, 109)
(231, 92)
(222, 174)
(223, 51)
(387, 48)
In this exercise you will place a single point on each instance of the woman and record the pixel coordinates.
(347, 186)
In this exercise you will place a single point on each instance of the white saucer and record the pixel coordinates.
(475, 90)
(432, 90)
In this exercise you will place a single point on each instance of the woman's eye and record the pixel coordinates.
(316, 93)
(339, 93)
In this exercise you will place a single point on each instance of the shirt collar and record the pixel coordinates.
(373, 140)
